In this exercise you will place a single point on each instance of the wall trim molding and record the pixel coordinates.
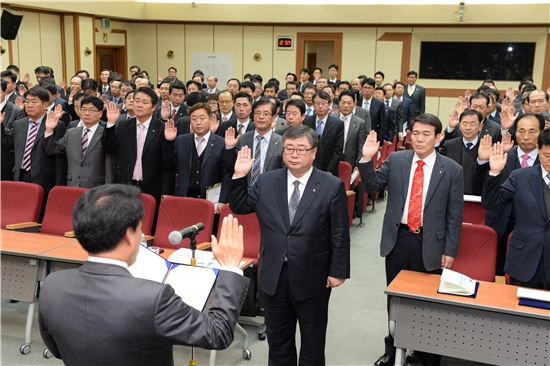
(406, 40)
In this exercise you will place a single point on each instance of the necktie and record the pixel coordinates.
(469, 145)
(138, 170)
(173, 114)
(320, 127)
(414, 216)
(367, 106)
(309, 111)
(28, 146)
(239, 129)
(200, 145)
(256, 166)
(224, 119)
(85, 141)
(294, 201)
(387, 104)
(525, 161)
(548, 179)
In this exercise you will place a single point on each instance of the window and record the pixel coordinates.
(476, 60)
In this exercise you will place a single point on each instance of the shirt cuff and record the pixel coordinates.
(110, 124)
(450, 129)
(47, 134)
(235, 270)
(482, 162)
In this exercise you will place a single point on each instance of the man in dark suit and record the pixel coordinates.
(226, 116)
(355, 129)
(416, 94)
(9, 113)
(407, 117)
(479, 102)
(88, 165)
(31, 163)
(333, 75)
(10, 78)
(423, 219)
(331, 134)
(374, 107)
(464, 149)
(390, 114)
(267, 146)
(528, 259)
(99, 314)
(523, 155)
(197, 156)
(137, 145)
(304, 249)
(242, 122)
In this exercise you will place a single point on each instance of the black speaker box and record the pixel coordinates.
(10, 24)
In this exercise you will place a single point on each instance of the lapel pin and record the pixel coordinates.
(313, 189)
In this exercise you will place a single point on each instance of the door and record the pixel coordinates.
(322, 49)
(112, 58)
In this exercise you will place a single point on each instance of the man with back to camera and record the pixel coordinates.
(99, 314)
(305, 245)
(423, 219)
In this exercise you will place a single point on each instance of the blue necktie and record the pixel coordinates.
(320, 128)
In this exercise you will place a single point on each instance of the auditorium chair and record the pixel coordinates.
(474, 213)
(477, 252)
(20, 202)
(345, 171)
(176, 213)
(149, 206)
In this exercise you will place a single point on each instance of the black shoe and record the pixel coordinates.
(385, 360)
(412, 359)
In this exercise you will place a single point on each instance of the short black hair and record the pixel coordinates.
(178, 85)
(194, 98)
(48, 83)
(95, 101)
(9, 74)
(200, 105)
(304, 70)
(485, 89)
(13, 68)
(380, 88)
(135, 67)
(196, 83)
(42, 70)
(39, 92)
(323, 95)
(428, 119)
(481, 96)
(295, 83)
(247, 84)
(380, 73)
(129, 83)
(412, 73)
(291, 74)
(235, 79)
(398, 83)
(257, 78)
(528, 115)
(243, 95)
(318, 68)
(265, 101)
(345, 82)
(103, 214)
(348, 93)
(294, 133)
(79, 96)
(544, 138)
(471, 112)
(89, 84)
(298, 93)
(272, 85)
(333, 66)
(4, 84)
(82, 71)
(298, 103)
(172, 68)
(150, 92)
(369, 81)
(308, 86)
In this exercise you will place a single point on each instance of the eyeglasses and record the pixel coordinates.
(225, 101)
(86, 110)
(262, 114)
(301, 151)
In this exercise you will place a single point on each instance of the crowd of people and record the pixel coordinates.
(186, 138)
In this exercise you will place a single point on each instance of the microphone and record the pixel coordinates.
(177, 236)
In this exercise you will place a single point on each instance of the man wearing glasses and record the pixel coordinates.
(82, 145)
(304, 249)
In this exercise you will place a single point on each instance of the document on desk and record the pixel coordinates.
(204, 258)
(149, 265)
(534, 298)
(456, 283)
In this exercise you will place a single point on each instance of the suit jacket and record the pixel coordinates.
(454, 149)
(11, 113)
(502, 217)
(443, 206)
(364, 115)
(213, 169)
(316, 242)
(402, 113)
(355, 138)
(86, 171)
(232, 122)
(418, 100)
(46, 170)
(489, 127)
(531, 237)
(80, 323)
(183, 110)
(377, 115)
(121, 142)
(331, 144)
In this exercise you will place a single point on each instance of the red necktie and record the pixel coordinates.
(414, 216)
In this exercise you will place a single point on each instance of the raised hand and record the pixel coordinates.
(113, 113)
(229, 250)
(170, 130)
(58, 110)
(230, 139)
(497, 160)
(243, 163)
(510, 93)
(484, 150)
(22, 89)
(468, 94)
(165, 110)
(453, 119)
(507, 114)
(2, 117)
(105, 99)
(51, 120)
(26, 77)
(19, 102)
(63, 84)
(214, 124)
(507, 142)
(371, 146)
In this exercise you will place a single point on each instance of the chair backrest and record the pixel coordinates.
(176, 213)
(477, 252)
(474, 213)
(383, 154)
(344, 172)
(149, 206)
(20, 202)
(393, 146)
(506, 275)
(58, 216)
(251, 231)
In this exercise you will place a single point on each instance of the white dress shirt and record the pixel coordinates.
(367, 103)
(532, 156)
(301, 187)
(226, 116)
(411, 89)
(428, 169)
(347, 120)
(200, 149)
(104, 260)
(146, 125)
(264, 143)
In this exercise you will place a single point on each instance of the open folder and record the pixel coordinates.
(192, 284)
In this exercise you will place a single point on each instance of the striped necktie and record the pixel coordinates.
(31, 137)
(256, 166)
(85, 141)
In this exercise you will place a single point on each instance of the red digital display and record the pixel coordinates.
(284, 42)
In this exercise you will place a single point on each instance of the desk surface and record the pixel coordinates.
(492, 296)
(246, 262)
(31, 244)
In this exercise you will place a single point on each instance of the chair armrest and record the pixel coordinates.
(149, 239)
(204, 246)
(25, 226)
(69, 234)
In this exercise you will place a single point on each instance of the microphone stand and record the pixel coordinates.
(193, 239)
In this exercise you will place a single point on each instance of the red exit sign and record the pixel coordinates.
(285, 43)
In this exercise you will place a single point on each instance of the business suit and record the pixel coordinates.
(315, 245)
(86, 171)
(403, 113)
(456, 150)
(331, 144)
(11, 113)
(528, 259)
(364, 115)
(355, 138)
(179, 154)
(377, 115)
(489, 127)
(442, 211)
(182, 111)
(112, 318)
(120, 141)
(232, 122)
(418, 100)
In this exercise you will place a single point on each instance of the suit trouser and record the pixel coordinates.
(538, 280)
(283, 310)
(407, 254)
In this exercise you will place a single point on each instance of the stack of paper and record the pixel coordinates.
(456, 283)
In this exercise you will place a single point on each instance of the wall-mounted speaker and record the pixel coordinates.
(10, 24)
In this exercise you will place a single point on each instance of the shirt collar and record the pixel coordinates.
(544, 172)
(111, 261)
(244, 122)
(146, 123)
(428, 160)
(303, 180)
(92, 129)
(228, 115)
(206, 137)
(533, 154)
(474, 141)
(317, 119)
(266, 135)
(3, 104)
